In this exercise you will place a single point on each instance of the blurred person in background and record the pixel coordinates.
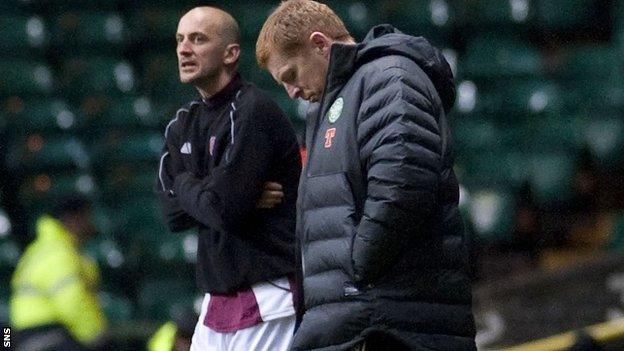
(176, 334)
(220, 151)
(54, 304)
(384, 257)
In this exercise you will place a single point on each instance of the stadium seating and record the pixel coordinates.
(77, 32)
(160, 79)
(22, 35)
(603, 133)
(358, 16)
(563, 14)
(432, 19)
(37, 153)
(85, 76)
(155, 25)
(118, 309)
(594, 75)
(491, 214)
(45, 116)
(86, 88)
(25, 78)
(617, 235)
(130, 148)
(38, 189)
(499, 15)
(159, 299)
(254, 13)
(492, 56)
(9, 254)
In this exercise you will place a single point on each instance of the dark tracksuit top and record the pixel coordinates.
(217, 155)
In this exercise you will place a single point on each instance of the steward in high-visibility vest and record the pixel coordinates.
(176, 334)
(54, 304)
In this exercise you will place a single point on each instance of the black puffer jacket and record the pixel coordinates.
(383, 241)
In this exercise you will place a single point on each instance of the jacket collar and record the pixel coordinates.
(226, 94)
(341, 66)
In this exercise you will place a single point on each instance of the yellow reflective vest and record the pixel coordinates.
(55, 284)
(164, 338)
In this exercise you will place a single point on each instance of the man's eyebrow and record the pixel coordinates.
(178, 35)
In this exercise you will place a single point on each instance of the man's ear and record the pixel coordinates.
(320, 43)
(231, 54)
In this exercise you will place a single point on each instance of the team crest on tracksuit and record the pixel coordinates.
(335, 110)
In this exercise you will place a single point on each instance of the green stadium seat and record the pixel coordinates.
(88, 32)
(106, 252)
(498, 14)
(179, 248)
(20, 35)
(594, 76)
(135, 148)
(43, 153)
(616, 240)
(499, 167)
(161, 80)
(619, 25)
(85, 76)
(13, 7)
(127, 181)
(564, 14)
(5, 225)
(604, 134)
(9, 255)
(38, 190)
(428, 18)
(155, 25)
(475, 134)
(25, 78)
(492, 214)
(124, 113)
(528, 98)
(358, 16)
(160, 299)
(595, 61)
(5, 294)
(550, 133)
(45, 116)
(471, 101)
(118, 309)
(492, 57)
(251, 16)
(139, 219)
(290, 107)
(248, 67)
(56, 6)
(551, 175)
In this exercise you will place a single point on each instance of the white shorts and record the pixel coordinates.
(272, 335)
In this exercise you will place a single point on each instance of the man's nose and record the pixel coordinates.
(293, 91)
(184, 48)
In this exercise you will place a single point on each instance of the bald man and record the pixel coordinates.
(220, 151)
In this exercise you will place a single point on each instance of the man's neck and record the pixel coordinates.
(215, 85)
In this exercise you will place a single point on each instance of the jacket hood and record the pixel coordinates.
(384, 40)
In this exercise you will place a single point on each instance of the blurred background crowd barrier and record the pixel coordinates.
(86, 88)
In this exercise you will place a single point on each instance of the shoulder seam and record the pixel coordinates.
(178, 115)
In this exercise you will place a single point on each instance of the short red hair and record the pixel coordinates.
(288, 28)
